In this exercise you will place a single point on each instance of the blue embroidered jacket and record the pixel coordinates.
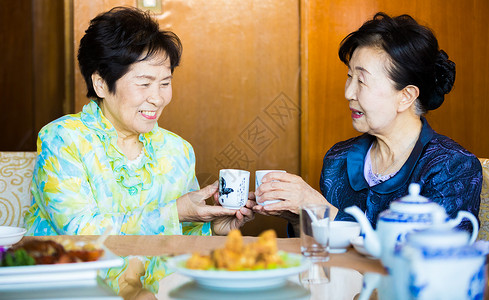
(448, 174)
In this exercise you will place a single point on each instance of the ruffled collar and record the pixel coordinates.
(135, 179)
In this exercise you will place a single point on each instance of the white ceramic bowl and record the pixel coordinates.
(359, 245)
(341, 233)
(10, 235)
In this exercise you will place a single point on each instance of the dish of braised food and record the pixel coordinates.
(41, 252)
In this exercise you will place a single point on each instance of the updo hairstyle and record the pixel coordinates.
(414, 55)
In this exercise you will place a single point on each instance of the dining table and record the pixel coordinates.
(345, 271)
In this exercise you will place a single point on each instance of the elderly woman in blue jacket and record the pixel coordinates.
(396, 74)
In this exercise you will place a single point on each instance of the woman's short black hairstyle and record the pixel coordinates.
(414, 55)
(118, 38)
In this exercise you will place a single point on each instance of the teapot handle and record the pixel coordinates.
(475, 224)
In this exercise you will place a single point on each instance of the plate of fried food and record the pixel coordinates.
(46, 263)
(236, 266)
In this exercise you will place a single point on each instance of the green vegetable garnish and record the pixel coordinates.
(17, 258)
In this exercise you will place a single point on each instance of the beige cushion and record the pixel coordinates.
(484, 208)
(15, 177)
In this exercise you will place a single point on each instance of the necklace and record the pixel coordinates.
(394, 163)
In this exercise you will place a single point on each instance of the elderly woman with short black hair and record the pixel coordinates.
(111, 165)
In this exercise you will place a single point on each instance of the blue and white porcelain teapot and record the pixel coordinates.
(404, 215)
(439, 263)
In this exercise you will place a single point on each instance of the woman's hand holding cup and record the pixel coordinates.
(192, 207)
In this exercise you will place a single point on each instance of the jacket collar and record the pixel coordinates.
(356, 162)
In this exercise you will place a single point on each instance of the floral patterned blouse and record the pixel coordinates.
(82, 182)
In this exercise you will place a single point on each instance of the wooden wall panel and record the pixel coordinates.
(236, 93)
(32, 81)
(461, 32)
(238, 87)
(48, 62)
(16, 74)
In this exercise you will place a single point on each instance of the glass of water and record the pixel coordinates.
(314, 225)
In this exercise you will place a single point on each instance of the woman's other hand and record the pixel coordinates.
(222, 225)
(192, 207)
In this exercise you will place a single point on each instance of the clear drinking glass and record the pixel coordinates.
(314, 225)
(317, 274)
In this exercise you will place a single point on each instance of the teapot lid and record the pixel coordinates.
(414, 202)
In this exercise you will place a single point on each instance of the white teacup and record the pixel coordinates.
(233, 188)
(258, 177)
(341, 234)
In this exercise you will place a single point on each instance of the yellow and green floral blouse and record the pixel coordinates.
(82, 182)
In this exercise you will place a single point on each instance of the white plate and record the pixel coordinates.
(289, 291)
(240, 280)
(10, 235)
(93, 290)
(56, 274)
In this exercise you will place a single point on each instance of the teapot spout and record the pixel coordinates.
(372, 241)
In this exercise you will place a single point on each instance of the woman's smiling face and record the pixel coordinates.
(373, 100)
(140, 96)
